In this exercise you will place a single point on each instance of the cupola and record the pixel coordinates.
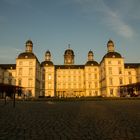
(110, 46)
(47, 56)
(69, 56)
(29, 46)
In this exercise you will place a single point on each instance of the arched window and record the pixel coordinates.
(19, 82)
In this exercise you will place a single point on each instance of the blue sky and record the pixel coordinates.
(85, 24)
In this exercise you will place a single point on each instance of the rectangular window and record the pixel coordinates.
(43, 76)
(30, 81)
(20, 62)
(111, 81)
(119, 62)
(96, 85)
(49, 85)
(20, 71)
(20, 82)
(30, 71)
(120, 70)
(30, 63)
(110, 70)
(130, 80)
(10, 81)
(96, 93)
(129, 72)
(111, 91)
(49, 77)
(121, 81)
(109, 62)
(95, 76)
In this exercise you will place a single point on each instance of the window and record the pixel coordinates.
(49, 85)
(20, 62)
(19, 82)
(109, 62)
(96, 85)
(30, 81)
(96, 93)
(43, 76)
(95, 76)
(119, 62)
(110, 70)
(130, 80)
(111, 91)
(49, 77)
(111, 81)
(129, 72)
(10, 74)
(120, 70)
(121, 81)
(30, 71)
(20, 71)
(10, 81)
(30, 63)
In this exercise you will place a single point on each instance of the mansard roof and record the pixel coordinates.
(69, 66)
(112, 55)
(132, 65)
(49, 63)
(92, 63)
(69, 52)
(27, 55)
(8, 66)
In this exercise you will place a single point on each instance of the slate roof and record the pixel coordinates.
(8, 66)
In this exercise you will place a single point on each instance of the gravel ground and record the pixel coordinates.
(70, 120)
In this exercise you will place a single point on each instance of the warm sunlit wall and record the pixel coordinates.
(70, 82)
(92, 85)
(112, 76)
(49, 81)
(26, 75)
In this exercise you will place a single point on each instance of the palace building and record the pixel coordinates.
(70, 80)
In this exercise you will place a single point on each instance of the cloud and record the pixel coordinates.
(115, 22)
(112, 19)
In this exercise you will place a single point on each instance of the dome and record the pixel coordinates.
(49, 63)
(29, 42)
(48, 52)
(92, 63)
(112, 55)
(90, 52)
(110, 42)
(69, 52)
(26, 55)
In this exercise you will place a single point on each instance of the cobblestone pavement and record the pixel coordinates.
(81, 120)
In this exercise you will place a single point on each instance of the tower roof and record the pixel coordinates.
(27, 55)
(69, 51)
(48, 52)
(110, 41)
(29, 42)
(91, 63)
(47, 63)
(112, 55)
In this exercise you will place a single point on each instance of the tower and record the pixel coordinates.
(29, 46)
(90, 56)
(47, 56)
(69, 56)
(110, 46)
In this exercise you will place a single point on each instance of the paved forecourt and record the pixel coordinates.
(75, 120)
